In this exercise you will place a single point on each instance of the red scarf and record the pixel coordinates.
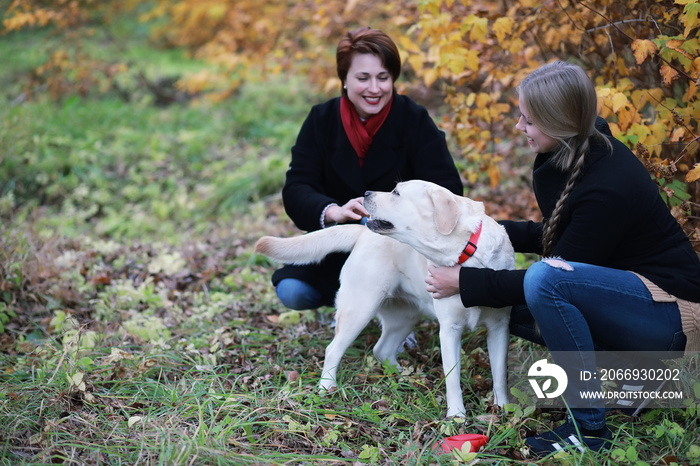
(361, 133)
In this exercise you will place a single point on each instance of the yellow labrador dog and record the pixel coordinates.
(447, 230)
(384, 278)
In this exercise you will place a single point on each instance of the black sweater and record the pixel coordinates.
(614, 217)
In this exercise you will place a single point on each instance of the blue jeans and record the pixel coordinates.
(298, 295)
(582, 308)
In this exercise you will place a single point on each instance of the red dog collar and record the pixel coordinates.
(470, 248)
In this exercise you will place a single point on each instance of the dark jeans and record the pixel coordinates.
(583, 308)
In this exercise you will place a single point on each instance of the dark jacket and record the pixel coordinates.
(325, 169)
(614, 217)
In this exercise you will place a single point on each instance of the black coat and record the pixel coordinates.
(325, 169)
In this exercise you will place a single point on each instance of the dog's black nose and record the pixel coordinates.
(368, 193)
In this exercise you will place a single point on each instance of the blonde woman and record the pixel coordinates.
(618, 272)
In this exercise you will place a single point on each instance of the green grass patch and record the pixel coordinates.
(126, 169)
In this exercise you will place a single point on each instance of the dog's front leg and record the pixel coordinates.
(450, 338)
(451, 327)
(330, 367)
(346, 331)
(353, 314)
(497, 343)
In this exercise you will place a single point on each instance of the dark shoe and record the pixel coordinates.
(566, 437)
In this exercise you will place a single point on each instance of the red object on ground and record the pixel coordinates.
(476, 441)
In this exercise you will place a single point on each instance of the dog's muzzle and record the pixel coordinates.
(379, 226)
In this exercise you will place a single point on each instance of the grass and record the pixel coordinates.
(110, 156)
(139, 328)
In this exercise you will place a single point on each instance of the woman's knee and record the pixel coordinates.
(542, 277)
(296, 294)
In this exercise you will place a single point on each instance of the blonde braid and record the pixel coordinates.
(550, 226)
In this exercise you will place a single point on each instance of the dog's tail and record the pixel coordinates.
(311, 247)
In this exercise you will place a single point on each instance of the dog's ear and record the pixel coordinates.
(446, 211)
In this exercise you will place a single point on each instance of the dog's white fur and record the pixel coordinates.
(438, 224)
(385, 278)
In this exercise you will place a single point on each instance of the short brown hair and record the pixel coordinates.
(367, 40)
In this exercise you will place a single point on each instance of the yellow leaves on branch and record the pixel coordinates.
(691, 15)
(252, 39)
(502, 27)
(477, 28)
(41, 17)
(63, 14)
(646, 72)
(694, 174)
(677, 134)
(643, 49)
(619, 100)
(458, 60)
(669, 74)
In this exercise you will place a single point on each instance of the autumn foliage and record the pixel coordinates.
(643, 55)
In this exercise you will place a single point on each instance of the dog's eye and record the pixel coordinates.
(395, 192)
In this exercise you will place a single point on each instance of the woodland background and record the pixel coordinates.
(143, 146)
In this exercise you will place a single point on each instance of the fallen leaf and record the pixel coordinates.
(289, 318)
(102, 279)
(669, 459)
(381, 405)
(117, 355)
(77, 381)
(480, 382)
(36, 439)
(488, 418)
(147, 364)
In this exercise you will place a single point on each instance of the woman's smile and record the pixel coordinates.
(369, 84)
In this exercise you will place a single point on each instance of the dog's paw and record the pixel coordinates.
(488, 418)
(327, 386)
(452, 413)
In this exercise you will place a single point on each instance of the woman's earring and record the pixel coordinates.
(345, 87)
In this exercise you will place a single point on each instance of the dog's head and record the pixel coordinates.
(426, 216)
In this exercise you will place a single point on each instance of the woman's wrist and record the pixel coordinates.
(326, 220)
